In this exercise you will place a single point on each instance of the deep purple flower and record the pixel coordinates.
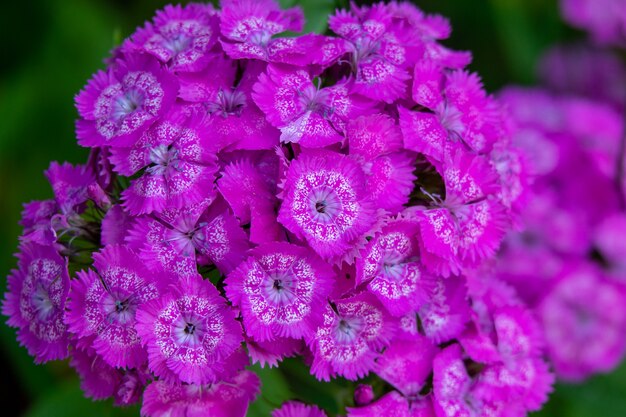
(118, 105)
(190, 334)
(297, 409)
(35, 301)
(282, 290)
(104, 301)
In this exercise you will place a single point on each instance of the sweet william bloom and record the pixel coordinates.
(604, 19)
(249, 26)
(325, 203)
(174, 239)
(390, 266)
(281, 290)
(228, 398)
(100, 380)
(180, 37)
(377, 50)
(118, 105)
(584, 322)
(179, 165)
(396, 405)
(270, 353)
(297, 409)
(104, 302)
(306, 114)
(347, 343)
(377, 141)
(190, 334)
(35, 301)
(70, 185)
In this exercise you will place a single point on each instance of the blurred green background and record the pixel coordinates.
(51, 47)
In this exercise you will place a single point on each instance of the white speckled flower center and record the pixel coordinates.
(325, 205)
(127, 103)
(164, 158)
(347, 329)
(177, 43)
(119, 308)
(280, 287)
(188, 331)
(42, 303)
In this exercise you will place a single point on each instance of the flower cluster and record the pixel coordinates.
(568, 262)
(253, 195)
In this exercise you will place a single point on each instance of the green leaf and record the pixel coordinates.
(67, 400)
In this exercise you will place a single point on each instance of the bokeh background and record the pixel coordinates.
(49, 48)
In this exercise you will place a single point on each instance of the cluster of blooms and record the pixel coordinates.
(569, 264)
(604, 19)
(252, 195)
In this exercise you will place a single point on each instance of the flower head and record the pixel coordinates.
(325, 203)
(35, 301)
(104, 302)
(297, 409)
(118, 105)
(281, 289)
(190, 334)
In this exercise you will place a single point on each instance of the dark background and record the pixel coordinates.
(48, 50)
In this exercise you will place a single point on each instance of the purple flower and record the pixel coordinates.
(325, 203)
(390, 266)
(100, 380)
(35, 301)
(179, 166)
(306, 114)
(180, 37)
(282, 290)
(222, 399)
(347, 343)
(70, 185)
(604, 19)
(249, 27)
(190, 334)
(378, 50)
(104, 301)
(297, 409)
(118, 105)
(394, 404)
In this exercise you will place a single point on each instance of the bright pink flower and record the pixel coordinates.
(70, 185)
(394, 404)
(298, 409)
(270, 353)
(282, 290)
(604, 19)
(348, 341)
(306, 114)
(104, 301)
(190, 334)
(390, 266)
(249, 27)
(223, 399)
(118, 105)
(180, 166)
(444, 317)
(325, 203)
(35, 301)
(180, 37)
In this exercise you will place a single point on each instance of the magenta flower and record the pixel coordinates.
(118, 105)
(174, 239)
(100, 380)
(104, 302)
(298, 409)
(378, 49)
(394, 404)
(348, 341)
(325, 203)
(180, 166)
(249, 27)
(70, 185)
(281, 290)
(444, 317)
(270, 353)
(222, 399)
(35, 301)
(583, 325)
(190, 334)
(390, 266)
(306, 114)
(180, 37)
(604, 19)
